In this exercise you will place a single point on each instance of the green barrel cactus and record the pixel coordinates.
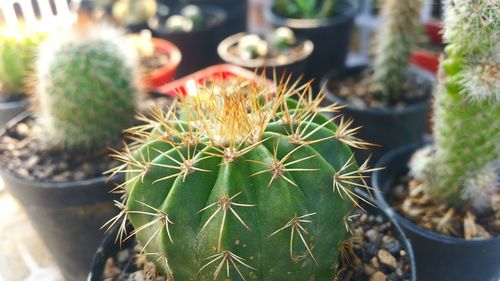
(86, 87)
(17, 56)
(249, 185)
(463, 167)
(134, 11)
(394, 41)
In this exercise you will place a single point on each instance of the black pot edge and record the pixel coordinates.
(218, 12)
(14, 104)
(110, 241)
(224, 45)
(380, 198)
(414, 107)
(344, 16)
(5, 173)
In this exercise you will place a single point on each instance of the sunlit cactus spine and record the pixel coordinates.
(249, 185)
(463, 169)
(394, 40)
(18, 50)
(86, 87)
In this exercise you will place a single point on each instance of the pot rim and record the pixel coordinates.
(210, 10)
(174, 57)
(224, 45)
(413, 107)
(13, 104)
(387, 158)
(343, 15)
(43, 184)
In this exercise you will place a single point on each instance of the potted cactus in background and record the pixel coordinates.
(449, 203)
(246, 183)
(281, 51)
(17, 54)
(53, 161)
(196, 30)
(134, 14)
(327, 23)
(389, 99)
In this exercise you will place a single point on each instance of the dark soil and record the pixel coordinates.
(357, 92)
(154, 62)
(24, 153)
(376, 255)
(409, 198)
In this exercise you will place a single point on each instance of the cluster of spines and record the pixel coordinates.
(232, 126)
(398, 33)
(463, 168)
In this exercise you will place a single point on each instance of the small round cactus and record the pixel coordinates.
(283, 38)
(86, 87)
(194, 14)
(134, 11)
(18, 50)
(393, 43)
(463, 167)
(249, 185)
(252, 46)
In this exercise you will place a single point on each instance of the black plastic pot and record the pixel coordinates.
(109, 247)
(199, 47)
(9, 110)
(294, 63)
(67, 215)
(329, 36)
(387, 127)
(438, 257)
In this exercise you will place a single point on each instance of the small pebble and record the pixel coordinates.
(386, 258)
(378, 276)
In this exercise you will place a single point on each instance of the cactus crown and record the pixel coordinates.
(17, 55)
(464, 167)
(393, 43)
(249, 181)
(86, 87)
(305, 9)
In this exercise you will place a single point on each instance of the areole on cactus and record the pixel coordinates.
(463, 167)
(249, 184)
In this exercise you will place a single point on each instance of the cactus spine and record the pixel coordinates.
(86, 87)
(17, 55)
(393, 43)
(464, 168)
(250, 185)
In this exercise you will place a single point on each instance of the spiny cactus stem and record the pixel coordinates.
(227, 259)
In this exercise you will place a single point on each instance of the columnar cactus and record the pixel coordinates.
(393, 43)
(250, 185)
(464, 167)
(17, 55)
(86, 87)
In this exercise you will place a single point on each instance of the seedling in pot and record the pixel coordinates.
(190, 18)
(305, 9)
(462, 168)
(247, 183)
(252, 46)
(134, 12)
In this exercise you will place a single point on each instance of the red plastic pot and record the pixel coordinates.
(163, 75)
(183, 85)
(425, 59)
(434, 28)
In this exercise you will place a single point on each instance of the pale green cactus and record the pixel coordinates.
(86, 87)
(18, 49)
(250, 185)
(134, 11)
(463, 168)
(396, 37)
